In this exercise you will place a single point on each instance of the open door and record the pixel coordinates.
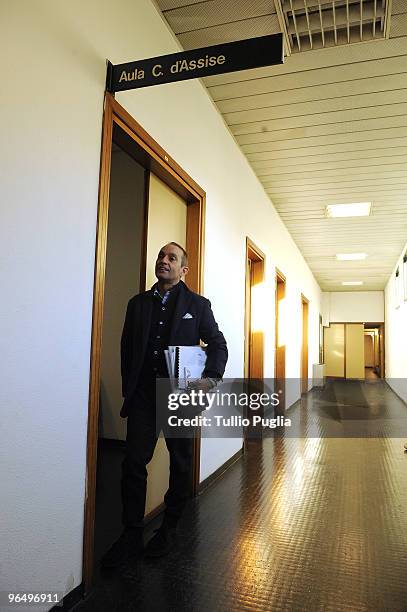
(381, 350)
(304, 347)
(254, 333)
(122, 132)
(280, 338)
(374, 350)
(167, 221)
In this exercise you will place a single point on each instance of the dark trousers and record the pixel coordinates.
(140, 444)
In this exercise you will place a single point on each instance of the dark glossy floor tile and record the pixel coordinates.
(298, 524)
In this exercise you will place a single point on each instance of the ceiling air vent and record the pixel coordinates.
(315, 24)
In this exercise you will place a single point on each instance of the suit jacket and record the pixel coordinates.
(183, 332)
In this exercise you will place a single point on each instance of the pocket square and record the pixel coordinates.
(187, 315)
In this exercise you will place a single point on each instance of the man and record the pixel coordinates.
(169, 314)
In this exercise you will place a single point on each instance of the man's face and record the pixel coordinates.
(168, 267)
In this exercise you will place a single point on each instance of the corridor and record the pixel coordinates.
(266, 141)
(297, 524)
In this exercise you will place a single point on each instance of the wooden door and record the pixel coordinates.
(354, 350)
(304, 347)
(254, 320)
(280, 347)
(334, 350)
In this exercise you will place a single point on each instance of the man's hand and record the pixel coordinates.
(201, 384)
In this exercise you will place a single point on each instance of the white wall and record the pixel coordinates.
(353, 307)
(396, 334)
(53, 61)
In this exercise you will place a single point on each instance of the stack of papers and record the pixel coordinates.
(185, 364)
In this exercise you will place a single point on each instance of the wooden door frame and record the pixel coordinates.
(382, 330)
(257, 258)
(155, 159)
(279, 278)
(304, 346)
(373, 334)
(254, 254)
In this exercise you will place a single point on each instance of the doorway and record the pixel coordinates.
(254, 326)
(374, 350)
(354, 350)
(123, 136)
(280, 337)
(304, 345)
(124, 277)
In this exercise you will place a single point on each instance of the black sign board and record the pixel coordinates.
(217, 59)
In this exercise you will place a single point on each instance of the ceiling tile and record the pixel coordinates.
(327, 126)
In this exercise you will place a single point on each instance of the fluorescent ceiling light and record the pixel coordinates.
(358, 209)
(350, 256)
(351, 283)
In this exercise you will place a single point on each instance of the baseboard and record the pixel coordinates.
(219, 472)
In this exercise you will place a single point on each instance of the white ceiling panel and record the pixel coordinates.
(356, 71)
(396, 153)
(291, 144)
(345, 127)
(399, 6)
(216, 35)
(317, 106)
(356, 145)
(204, 15)
(361, 86)
(167, 5)
(336, 171)
(380, 185)
(320, 118)
(327, 126)
(318, 59)
(399, 26)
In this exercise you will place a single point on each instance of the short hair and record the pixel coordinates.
(184, 260)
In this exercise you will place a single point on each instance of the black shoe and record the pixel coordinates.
(130, 544)
(161, 543)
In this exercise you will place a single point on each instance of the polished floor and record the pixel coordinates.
(315, 524)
